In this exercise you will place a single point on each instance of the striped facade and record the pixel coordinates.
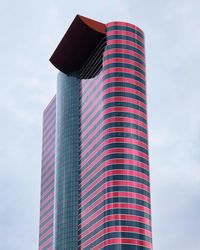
(97, 194)
(47, 177)
(114, 190)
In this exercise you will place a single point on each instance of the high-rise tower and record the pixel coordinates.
(101, 177)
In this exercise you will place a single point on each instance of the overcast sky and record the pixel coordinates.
(30, 31)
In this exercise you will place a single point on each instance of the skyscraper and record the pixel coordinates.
(96, 191)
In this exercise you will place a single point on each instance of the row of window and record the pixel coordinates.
(125, 56)
(95, 107)
(48, 136)
(43, 214)
(112, 227)
(95, 143)
(49, 193)
(48, 154)
(48, 168)
(125, 84)
(125, 28)
(89, 220)
(125, 246)
(114, 167)
(112, 155)
(125, 38)
(43, 207)
(136, 178)
(145, 196)
(115, 145)
(100, 217)
(44, 189)
(50, 235)
(123, 45)
(50, 119)
(111, 235)
(48, 219)
(124, 74)
(42, 232)
(108, 85)
(89, 89)
(109, 125)
(47, 159)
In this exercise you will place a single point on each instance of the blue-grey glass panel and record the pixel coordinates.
(67, 162)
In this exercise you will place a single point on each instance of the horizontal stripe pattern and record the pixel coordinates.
(47, 178)
(115, 202)
(91, 117)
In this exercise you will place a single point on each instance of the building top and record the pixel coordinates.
(78, 43)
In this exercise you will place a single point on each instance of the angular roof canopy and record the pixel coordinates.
(78, 43)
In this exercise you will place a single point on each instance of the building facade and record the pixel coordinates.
(101, 176)
(48, 177)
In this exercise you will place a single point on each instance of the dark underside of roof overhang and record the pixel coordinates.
(82, 41)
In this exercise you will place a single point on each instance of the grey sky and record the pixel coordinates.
(30, 31)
